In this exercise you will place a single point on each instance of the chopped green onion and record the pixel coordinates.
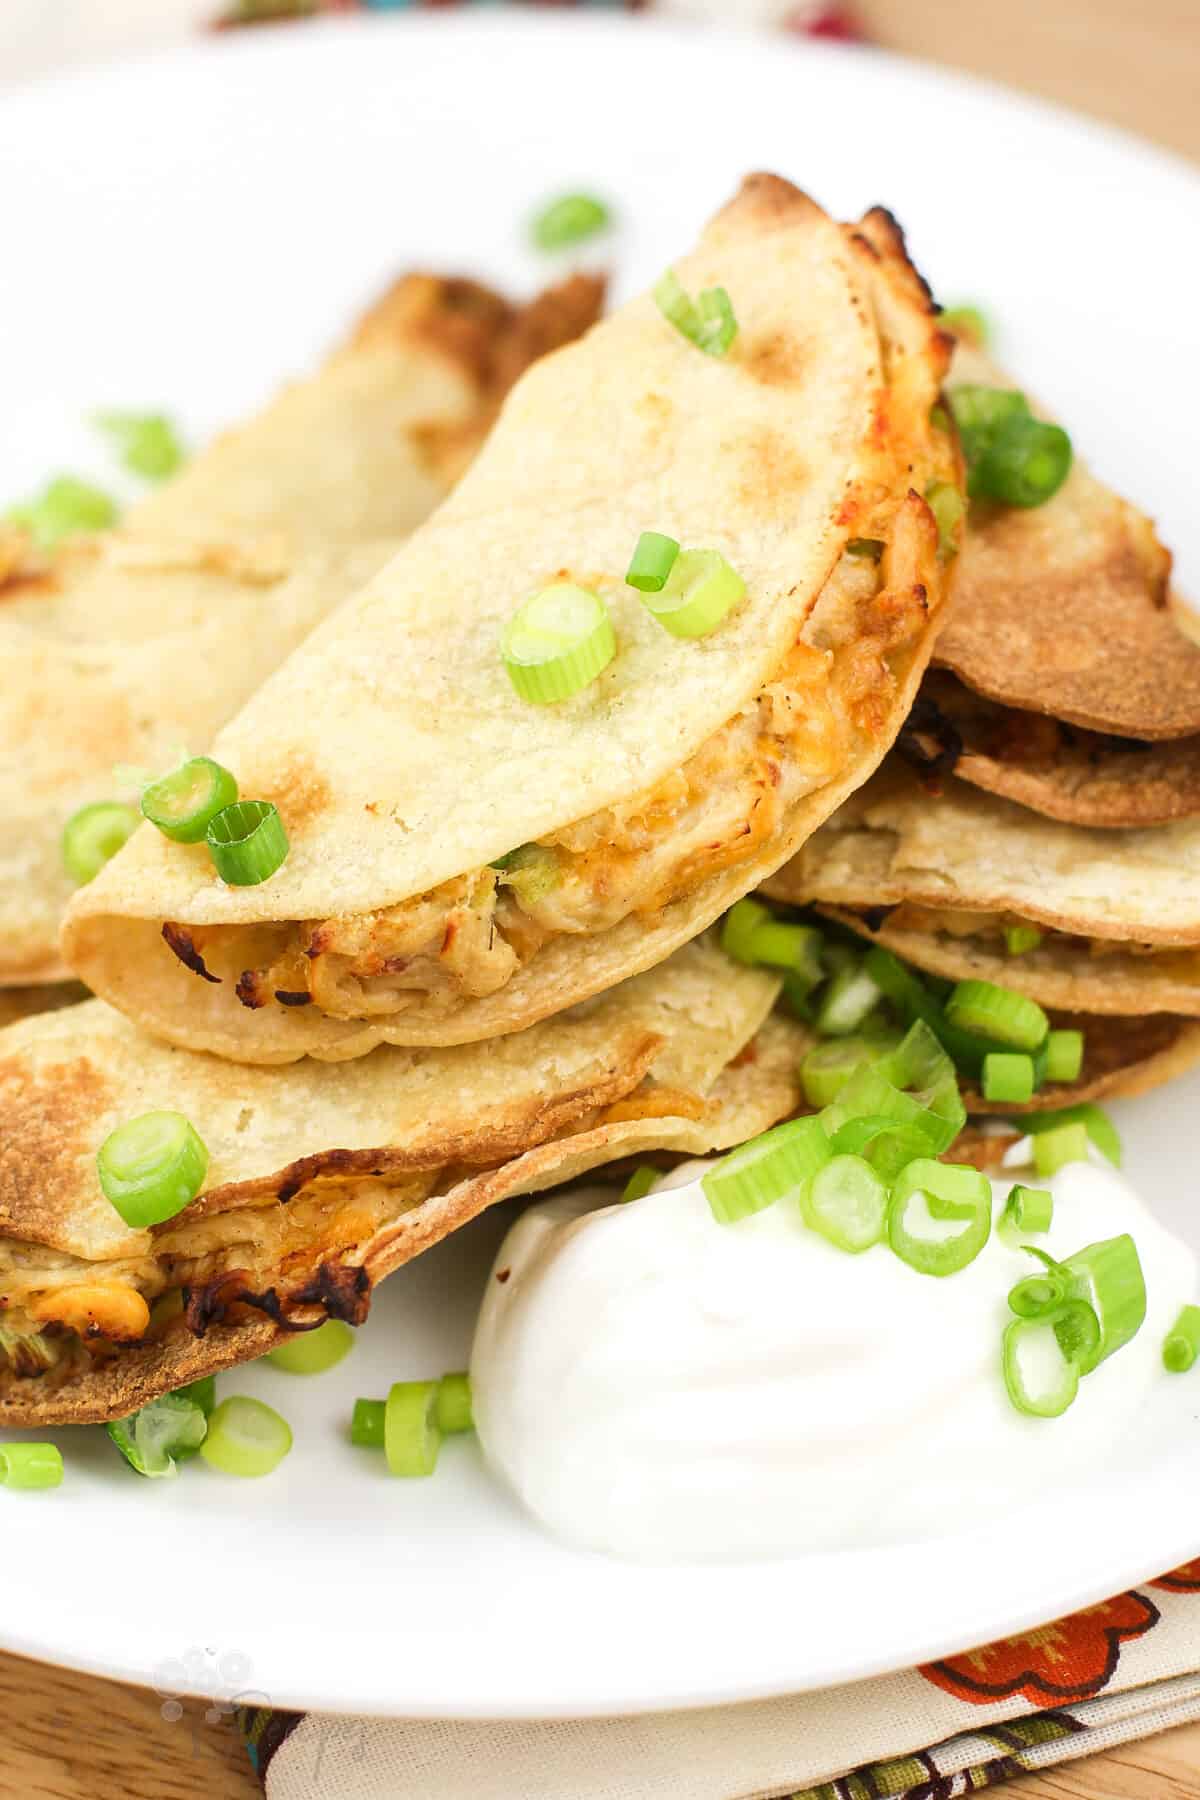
(740, 926)
(557, 642)
(750, 933)
(246, 1438)
(30, 1466)
(147, 443)
(152, 1167)
(979, 410)
(847, 1203)
(697, 594)
(203, 1392)
(247, 842)
(709, 323)
(1036, 1295)
(848, 1001)
(885, 1145)
(828, 1066)
(653, 560)
(640, 1183)
(1029, 1209)
(366, 1424)
(532, 871)
(940, 1216)
(1012, 1020)
(453, 1407)
(1108, 1275)
(93, 836)
(1064, 1056)
(1041, 1378)
(1078, 1331)
(1095, 1121)
(914, 1000)
(1181, 1346)
(312, 1352)
(914, 1086)
(966, 322)
(949, 509)
(1023, 463)
(66, 505)
(412, 1436)
(154, 1439)
(1054, 1149)
(1008, 1077)
(1020, 939)
(779, 1163)
(872, 548)
(569, 220)
(184, 803)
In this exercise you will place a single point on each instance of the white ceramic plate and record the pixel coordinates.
(187, 230)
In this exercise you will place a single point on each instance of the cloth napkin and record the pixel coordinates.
(1124, 1670)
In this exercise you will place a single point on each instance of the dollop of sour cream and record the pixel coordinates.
(658, 1386)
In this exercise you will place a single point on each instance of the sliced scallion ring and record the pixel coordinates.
(847, 1203)
(848, 1001)
(949, 509)
(184, 803)
(1108, 1276)
(93, 835)
(568, 220)
(31, 1466)
(1041, 1378)
(246, 1438)
(1096, 1123)
(1029, 1209)
(1181, 1346)
(1054, 1149)
(412, 1436)
(453, 1406)
(1019, 940)
(366, 1424)
(160, 1435)
(1008, 1077)
(1012, 1020)
(247, 842)
(940, 1216)
(557, 642)
(697, 594)
(828, 1066)
(1064, 1056)
(152, 1167)
(312, 1352)
(778, 1164)
(653, 559)
(640, 1183)
(710, 322)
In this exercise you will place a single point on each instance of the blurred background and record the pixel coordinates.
(1133, 62)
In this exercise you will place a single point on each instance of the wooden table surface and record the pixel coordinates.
(1137, 62)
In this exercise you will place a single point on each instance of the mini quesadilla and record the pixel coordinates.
(322, 1181)
(944, 879)
(1064, 680)
(123, 647)
(463, 861)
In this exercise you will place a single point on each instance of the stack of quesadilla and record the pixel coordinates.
(1039, 827)
(504, 1021)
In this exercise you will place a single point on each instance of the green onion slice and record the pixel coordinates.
(31, 1466)
(569, 220)
(709, 322)
(1054, 1149)
(949, 510)
(147, 443)
(640, 1182)
(914, 1085)
(780, 1163)
(1042, 1379)
(1019, 940)
(1181, 1346)
(1008, 1077)
(453, 1405)
(203, 1392)
(184, 803)
(847, 1203)
(247, 842)
(848, 1001)
(532, 871)
(557, 642)
(1023, 463)
(412, 1436)
(159, 1436)
(697, 594)
(739, 928)
(246, 1438)
(966, 322)
(915, 1000)
(979, 410)
(367, 1424)
(1064, 1056)
(93, 836)
(312, 1352)
(1029, 1209)
(152, 1167)
(653, 560)
(1013, 1021)
(1108, 1276)
(1098, 1126)
(1036, 1295)
(65, 506)
(940, 1216)
(828, 1066)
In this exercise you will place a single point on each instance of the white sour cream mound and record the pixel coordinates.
(656, 1385)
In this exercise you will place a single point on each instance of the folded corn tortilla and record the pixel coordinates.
(1062, 609)
(123, 647)
(322, 1181)
(404, 764)
(938, 878)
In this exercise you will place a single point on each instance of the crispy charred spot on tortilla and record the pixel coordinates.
(343, 1291)
(875, 917)
(928, 740)
(180, 941)
(775, 361)
(298, 788)
(502, 1275)
(291, 999)
(47, 1118)
(251, 989)
(747, 1055)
